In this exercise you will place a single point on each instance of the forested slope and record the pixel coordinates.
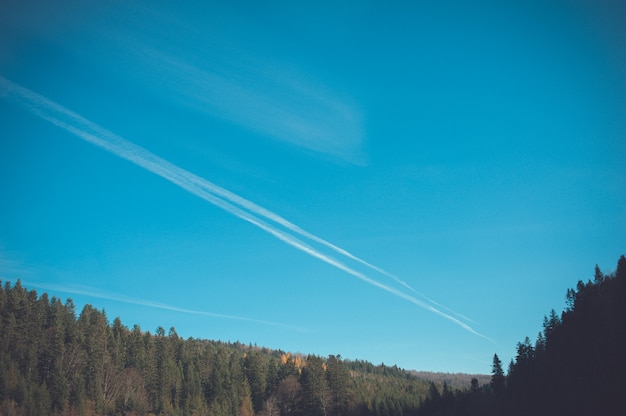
(55, 362)
(576, 366)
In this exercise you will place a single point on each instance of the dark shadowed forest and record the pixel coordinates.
(576, 365)
(53, 361)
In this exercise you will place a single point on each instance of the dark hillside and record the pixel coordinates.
(576, 366)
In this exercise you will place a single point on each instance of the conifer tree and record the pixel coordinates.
(497, 377)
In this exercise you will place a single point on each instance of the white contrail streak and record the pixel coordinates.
(157, 305)
(115, 144)
(220, 197)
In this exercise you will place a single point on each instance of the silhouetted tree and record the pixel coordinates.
(498, 381)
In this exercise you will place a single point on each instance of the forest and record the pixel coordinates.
(576, 365)
(54, 361)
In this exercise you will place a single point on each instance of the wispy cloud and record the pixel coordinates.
(12, 269)
(274, 103)
(99, 294)
(242, 208)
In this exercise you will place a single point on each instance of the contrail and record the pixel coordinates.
(115, 144)
(142, 302)
(218, 196)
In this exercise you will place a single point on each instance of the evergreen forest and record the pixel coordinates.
(576, 365)
(55, 361)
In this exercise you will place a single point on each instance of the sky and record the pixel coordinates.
(408, 183)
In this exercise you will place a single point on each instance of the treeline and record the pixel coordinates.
(55, 363)
(457, 381)
(576, 365)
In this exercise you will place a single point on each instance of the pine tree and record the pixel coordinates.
(256, 372)
(497, 377)
(338, 381)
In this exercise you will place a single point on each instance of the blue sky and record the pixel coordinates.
(414, 183)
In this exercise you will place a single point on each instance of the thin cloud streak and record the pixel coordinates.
(115, 144)
(157, 305)
(99, 136)
(276, 105)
